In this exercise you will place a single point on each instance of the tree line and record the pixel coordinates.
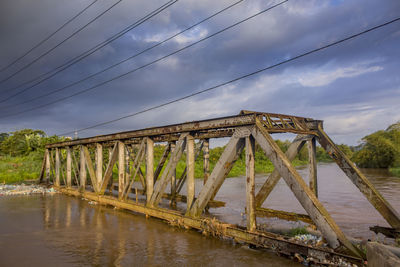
(380, 149)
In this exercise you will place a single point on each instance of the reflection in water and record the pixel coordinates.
(347, 205)
(63, 231)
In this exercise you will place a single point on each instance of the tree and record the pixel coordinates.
(380, 149)
(25, 141)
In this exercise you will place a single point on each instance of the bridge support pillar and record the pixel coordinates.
(57, 167)
(121, 168)
(190, 170)
(99, 164)
(250, 184)
(149, 168)
(312, 165)
(82, 170)
(69, 163)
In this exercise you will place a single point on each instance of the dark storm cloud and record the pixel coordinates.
(350, 86)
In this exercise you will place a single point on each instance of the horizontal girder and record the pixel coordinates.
(210, 128)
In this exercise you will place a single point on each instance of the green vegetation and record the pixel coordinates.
(380, 149)
(21, 154)
(395, 171)
(298, 231)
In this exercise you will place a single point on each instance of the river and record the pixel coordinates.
(57, 230)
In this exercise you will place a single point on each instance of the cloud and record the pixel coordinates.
(354, 86)
(192, 35)
(316, 78)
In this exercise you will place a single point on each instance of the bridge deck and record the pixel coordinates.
(210, 128)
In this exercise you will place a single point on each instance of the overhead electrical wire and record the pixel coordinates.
(48, 37)
(148, 64)
(238, 78)
(124, 60)
(60, 43)
(88, 52)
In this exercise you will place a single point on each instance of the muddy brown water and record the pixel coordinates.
(59, 230)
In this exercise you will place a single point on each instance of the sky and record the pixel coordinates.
(354, 86)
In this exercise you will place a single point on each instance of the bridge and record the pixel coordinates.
(158, 192)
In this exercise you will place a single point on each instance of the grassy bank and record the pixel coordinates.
(395, 171)
(21, 168)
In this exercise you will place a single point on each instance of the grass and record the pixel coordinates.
(19, 169)
(395, 171)
(298, 231)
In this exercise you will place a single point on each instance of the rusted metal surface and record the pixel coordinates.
(221, 169)
(250, 184)
(312, 165)
(136, 148)
(359, 179)
(272, 122)
(285, 215)
(304, 195)
(274, 177)
(176, 197)
(387, 231)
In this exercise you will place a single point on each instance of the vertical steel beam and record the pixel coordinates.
(220, 171)
(304, 195)
(47, 166)
(312, 165)
(173, 179)
(149, 168)
(99, 164)
(82, 170)
(250, 184)
(274, 177)
(190, 170)
(57, 182)
(206, 159)
(362, 183)
(69, 163)
(121, 168)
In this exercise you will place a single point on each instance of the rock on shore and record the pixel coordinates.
(23, 189)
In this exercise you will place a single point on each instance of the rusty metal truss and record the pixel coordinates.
(145, 188)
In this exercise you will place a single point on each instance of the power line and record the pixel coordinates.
(54, 47)
(148, 64)
(48, 37)
(129, 58)
(238, 78)
(88, 52)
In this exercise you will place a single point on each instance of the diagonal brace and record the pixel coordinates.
(109, 169)
(168, 171)
(135, 168)
(222, 168)
(362, 183)
(274, 177)
(303, 193)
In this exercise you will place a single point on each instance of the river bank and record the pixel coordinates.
(395, 171)
(23, 189)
